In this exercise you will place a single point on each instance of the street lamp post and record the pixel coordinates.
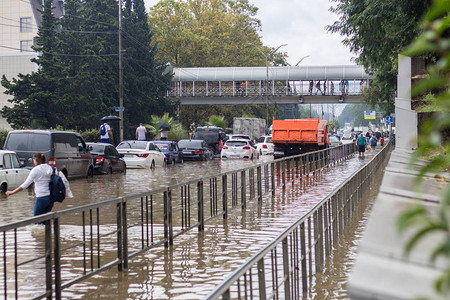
(301, 60)
(267, 76)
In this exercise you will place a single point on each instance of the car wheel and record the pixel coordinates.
(152, 166)
(90, 173)
(3, 188)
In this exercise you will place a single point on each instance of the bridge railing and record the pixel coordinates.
(258, 88)
(284, 269)
(77, 243)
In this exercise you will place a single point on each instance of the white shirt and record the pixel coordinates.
(40, 175)
(141, 131)
(108, 128)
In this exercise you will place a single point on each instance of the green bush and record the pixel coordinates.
(3, 134)
(91, 135)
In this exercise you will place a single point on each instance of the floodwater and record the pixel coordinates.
(198, 261)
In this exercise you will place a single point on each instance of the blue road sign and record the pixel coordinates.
(389, 119)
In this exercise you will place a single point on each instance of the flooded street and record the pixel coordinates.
(197, 262)
(104, 187)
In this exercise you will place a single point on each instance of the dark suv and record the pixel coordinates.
(212, 135)
(65, 150)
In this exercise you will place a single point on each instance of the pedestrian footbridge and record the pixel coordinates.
(261, 85)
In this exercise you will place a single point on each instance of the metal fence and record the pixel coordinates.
(284, 269)
(77, 243)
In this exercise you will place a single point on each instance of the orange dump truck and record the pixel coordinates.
(297, 136)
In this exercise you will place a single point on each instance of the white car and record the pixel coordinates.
(12, 174)
(239, 148)
(264, 145)
(141, 154)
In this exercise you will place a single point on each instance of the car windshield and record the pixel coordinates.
(133, 145)
(162, 147)
(232, 143)
(190, 144)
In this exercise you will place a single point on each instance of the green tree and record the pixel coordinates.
(78, 70)
(218, 121)
(377, 31)
(145, 79)
(202, 33)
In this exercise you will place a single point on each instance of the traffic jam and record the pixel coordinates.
(71, 155)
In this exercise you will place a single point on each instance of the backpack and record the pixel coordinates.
(103, 129)
(57, 188)
(373, 141)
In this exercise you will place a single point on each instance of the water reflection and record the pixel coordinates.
(198, 261)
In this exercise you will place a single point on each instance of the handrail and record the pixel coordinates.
(223, 289)
(151, 214)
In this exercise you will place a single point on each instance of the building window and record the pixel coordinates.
(25, 45)
(25, 24)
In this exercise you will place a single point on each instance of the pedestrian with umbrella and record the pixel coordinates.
(163, 129)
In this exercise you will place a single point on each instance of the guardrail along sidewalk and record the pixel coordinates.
(77, 243)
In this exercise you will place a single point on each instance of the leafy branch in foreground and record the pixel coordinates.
(434, 143)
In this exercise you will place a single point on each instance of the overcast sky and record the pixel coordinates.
(301, 25)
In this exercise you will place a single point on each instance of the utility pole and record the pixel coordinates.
(120, 74)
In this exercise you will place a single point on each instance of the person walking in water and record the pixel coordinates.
(361, 143)
(140, 132)
(40, 175)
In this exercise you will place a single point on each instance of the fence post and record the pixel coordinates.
(166, 220)
(119, 236)
(200, 203)
(243, 190)
(303, 257)
(48, 259)
(272, 170)
(259, 181)
(170, 211)
(287, 284)
(316, 243)
(225, 195)
(283, 174)
(125, 234)
(57, 257)
(261, 280)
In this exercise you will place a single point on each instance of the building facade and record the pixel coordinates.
(19, 23)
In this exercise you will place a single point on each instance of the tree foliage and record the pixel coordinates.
(211, 33)
(77, 80)
(434, 144)
(377, 31)
(206, 33)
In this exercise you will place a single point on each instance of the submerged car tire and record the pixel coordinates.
(90, 173)
(3, 188)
